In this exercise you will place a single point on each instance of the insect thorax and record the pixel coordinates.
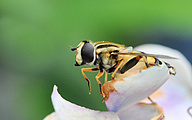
(105, 60)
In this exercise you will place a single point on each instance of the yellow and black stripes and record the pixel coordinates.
(131, 63)
(114, 58)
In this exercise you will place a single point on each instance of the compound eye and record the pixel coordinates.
(87, 53)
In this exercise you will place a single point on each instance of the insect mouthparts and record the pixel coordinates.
(76, 64)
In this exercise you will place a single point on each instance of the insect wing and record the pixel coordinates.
(146, 54)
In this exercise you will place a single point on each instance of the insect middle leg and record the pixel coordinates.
(88, 69)
(106, 76)
(97, 78)
(116, 69)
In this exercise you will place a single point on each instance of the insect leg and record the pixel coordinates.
(88, 69)
(151, 100)
(97, 78)
(106, 76)
(116, 69)
(147, 65)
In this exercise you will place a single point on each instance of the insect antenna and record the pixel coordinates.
(72, 48)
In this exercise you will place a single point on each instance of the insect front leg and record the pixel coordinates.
(88, 69)
(97, 78)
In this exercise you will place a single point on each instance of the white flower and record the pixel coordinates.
(175, 96)
(122, 98)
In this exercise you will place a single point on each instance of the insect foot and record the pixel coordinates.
(108, 88)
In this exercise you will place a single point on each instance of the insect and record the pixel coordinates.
(114, 58)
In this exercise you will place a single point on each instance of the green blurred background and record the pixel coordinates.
(35, 36)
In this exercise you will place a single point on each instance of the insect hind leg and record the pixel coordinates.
(147, 65)
(172, 70)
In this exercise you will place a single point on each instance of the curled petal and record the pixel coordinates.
(66, 110)
(159, 117)
(52, 116)
(182, 65)
(176, 95)
(131, 90)
(142, 111)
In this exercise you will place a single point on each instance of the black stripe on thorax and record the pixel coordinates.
(105, 46)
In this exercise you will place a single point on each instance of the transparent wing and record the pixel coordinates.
(146, 54)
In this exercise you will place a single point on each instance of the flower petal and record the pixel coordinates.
(52, 116)
(133, 89)
(141, 111)
(176, 95)
(182, 65)
(66, 110)
(174, 99)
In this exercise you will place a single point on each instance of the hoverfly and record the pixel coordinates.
(114, 58)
